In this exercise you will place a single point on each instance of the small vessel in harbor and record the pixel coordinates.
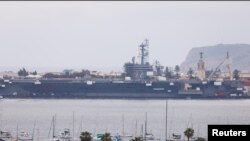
(5, 136)
(24, 136)
(65, 136)
(98, 137)
(148, 136)
(117, 137)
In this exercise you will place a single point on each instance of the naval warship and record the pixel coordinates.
(140, 80)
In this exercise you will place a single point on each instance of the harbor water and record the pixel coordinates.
(116, 116)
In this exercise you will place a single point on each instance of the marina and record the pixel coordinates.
(100, 116)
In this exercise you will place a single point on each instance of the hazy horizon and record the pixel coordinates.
(51, 36)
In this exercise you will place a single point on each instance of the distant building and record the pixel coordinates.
(201, 74)
(244, 75)
(8, 74)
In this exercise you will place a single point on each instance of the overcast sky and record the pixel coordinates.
(104, 35)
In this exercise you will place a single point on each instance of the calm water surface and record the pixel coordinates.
(98, 116)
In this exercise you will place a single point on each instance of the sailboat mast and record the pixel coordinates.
(53, 126)
(33, 133)
(73, 134)
(166, 132)
(123, 132)
(38, 134)
(142, 131)
(146, 126)
(135, 128)
(17, 134)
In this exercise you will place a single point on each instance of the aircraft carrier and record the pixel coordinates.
(140, 80)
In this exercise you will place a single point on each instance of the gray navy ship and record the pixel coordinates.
(140, 80)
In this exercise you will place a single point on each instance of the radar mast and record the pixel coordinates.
(144, 51)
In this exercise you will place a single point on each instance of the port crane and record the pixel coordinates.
(227, 65)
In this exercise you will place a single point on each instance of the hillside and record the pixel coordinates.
(214, 55)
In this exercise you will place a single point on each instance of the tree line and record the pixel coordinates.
(87, 136)
(24, 72)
